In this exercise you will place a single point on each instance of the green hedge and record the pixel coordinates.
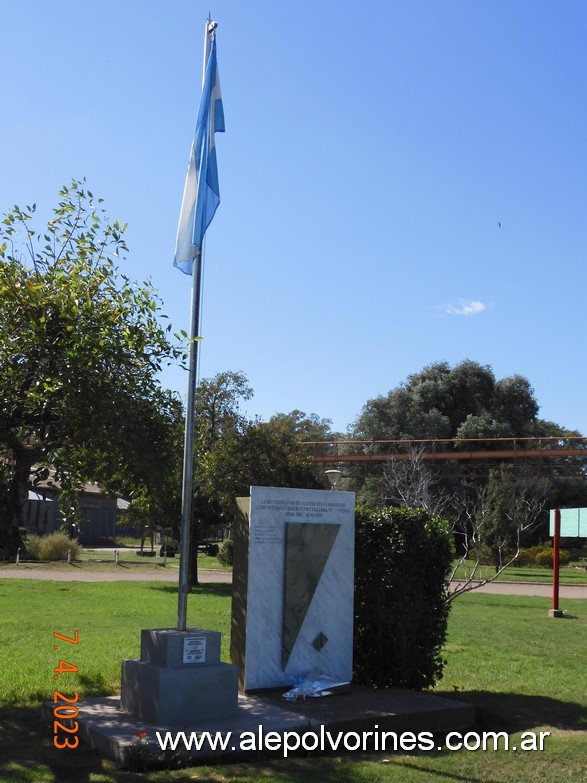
(402, 558)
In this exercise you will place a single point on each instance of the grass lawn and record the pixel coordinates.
(522, 670)
(572, 574)
(130, 557)
(104, 560)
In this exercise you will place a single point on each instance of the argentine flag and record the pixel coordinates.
(201, 194)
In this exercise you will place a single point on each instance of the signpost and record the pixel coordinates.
(564, 523)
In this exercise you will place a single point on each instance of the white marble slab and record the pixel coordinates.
(331, 609)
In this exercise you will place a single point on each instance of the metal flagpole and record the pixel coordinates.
(188, 456)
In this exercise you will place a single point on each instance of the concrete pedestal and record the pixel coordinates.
(179, 678)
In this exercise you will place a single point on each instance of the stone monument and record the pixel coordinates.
(293, 583)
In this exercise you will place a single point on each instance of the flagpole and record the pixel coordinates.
(188, 456)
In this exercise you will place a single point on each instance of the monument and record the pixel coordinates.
(292, 616)
(293, 584)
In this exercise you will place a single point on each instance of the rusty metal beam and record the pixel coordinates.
(454, 455)
(451, 449)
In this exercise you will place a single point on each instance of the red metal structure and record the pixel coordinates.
(450, 449)
(555, 611)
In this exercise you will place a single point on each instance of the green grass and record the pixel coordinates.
(104, 559)
(109, 617)
(521, 669)
(131, 558)
(504, 654)
(571, 574)
(100, 559)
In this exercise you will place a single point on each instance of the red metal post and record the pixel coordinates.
(555, 558)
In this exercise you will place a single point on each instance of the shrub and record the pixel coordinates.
(32, 546)
(402, 558)
(544, 558)
(527, 557)
(226, 555)
(52, 547)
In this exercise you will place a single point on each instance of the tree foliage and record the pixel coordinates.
(513, 504)
(217, 410)
(444, 402)
(305, 426)
(234, 453)
(80, 349)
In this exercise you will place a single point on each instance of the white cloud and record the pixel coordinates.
(474, 307)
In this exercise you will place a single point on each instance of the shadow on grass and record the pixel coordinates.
(27, 753)
(430, 774)
(513, 712)
(93, 685)
(219, 589)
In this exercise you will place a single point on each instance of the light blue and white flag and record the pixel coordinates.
(201, 194)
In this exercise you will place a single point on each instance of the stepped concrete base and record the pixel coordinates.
(179, 678)
(112, 731)
(163, 694)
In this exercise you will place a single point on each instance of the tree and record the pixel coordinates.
(309, 428)
(461, 403)
(155, 500)
(80, 349)
(218, 407)
(217, 416)
(496, 519)
(487, 519)
(514, 403)
(483, 425)
(512, 507)
(442, 402)
(410, 483)
(305, 426)
(233, 452)
(262, 454)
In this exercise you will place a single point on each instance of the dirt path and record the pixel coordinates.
(76, 573)
(532, 588)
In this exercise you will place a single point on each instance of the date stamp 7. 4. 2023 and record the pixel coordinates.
(65, 712)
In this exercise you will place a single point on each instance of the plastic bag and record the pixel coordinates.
(313, 685)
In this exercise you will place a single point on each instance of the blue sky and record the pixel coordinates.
(372, 151)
